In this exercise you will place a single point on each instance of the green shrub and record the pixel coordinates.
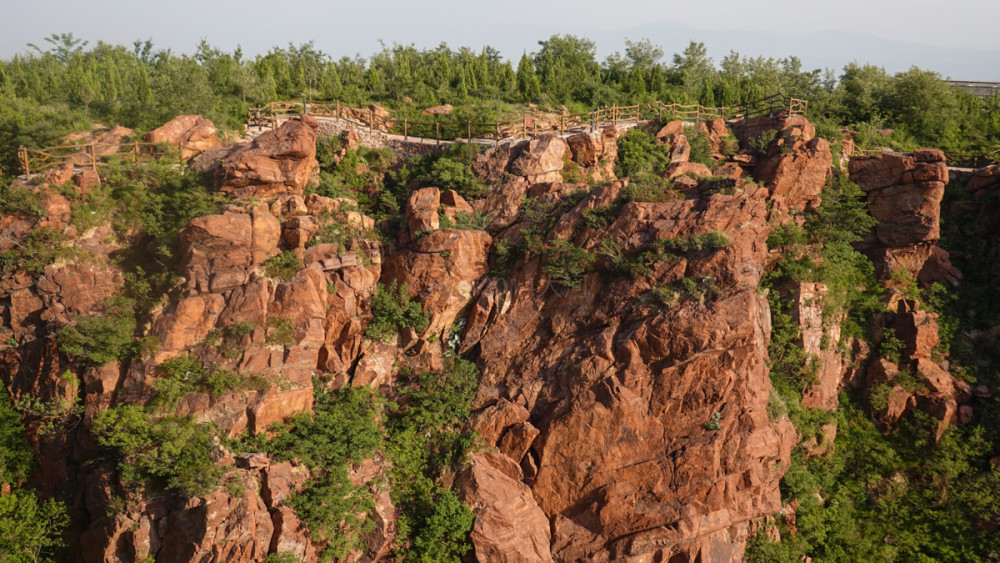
(41, 247)
(424, 439)
(343, 428)
(392, 310)
(474, 221)
(327, 148)
(175, 378)
(283, 266)
(571, 172)
(704, 243)
(240, 330)
(640, 264)
(20, 200)
(646, 187)
(891, 347)
(170, 452)
(713, 423)
(335, 232)
(638, 153)
(280, 331)
(221, 381)
(101, 340)
(701, 147)
(16, 459)
(787, 235)
(449, 174)
(666, 296)
(598, 217)
(759, 145)
(565, 263)
(633, 265)
(31, 530)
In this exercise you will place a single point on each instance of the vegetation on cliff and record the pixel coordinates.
(297, 315)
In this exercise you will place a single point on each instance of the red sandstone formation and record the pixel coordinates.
(619, 425)
(904, 196)
(193, 133)
(275, 162)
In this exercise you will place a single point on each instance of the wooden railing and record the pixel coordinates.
(955, 160)
(972, 160)
(271, 114)
(93, 154)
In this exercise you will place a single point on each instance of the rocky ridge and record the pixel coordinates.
(621, 418)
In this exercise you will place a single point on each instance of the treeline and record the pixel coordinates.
(64, 85)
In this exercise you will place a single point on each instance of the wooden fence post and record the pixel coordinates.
(93, 156)
(614, 115)
(371, 120)
(135, 153)
(338, 109)
(468, 125)
(406, 136)
(437, 132)
(22, 153)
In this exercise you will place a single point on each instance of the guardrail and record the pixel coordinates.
(96, 154)
(530, 124)
(955, 160)
(93, 154)
(972, 160)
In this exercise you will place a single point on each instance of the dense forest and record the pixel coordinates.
(66, 83)
(899, 494)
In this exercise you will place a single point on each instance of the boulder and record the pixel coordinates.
(218, 252)
(291, 536)
(509, 525)
(193, 133)
(279, 161)
(540, 159)
(440, 270)
(584, 148)
(445, 109)
(422, 212)
(796, 172)
(695, 169)
(670, 129)
(680, 150)
(907, 214)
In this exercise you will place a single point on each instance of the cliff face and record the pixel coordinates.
(622, 403)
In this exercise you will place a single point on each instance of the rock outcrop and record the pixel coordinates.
(278, 161)
(192, 133)
(904, 196)
(624, 386)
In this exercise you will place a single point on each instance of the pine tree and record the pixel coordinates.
(527, 80)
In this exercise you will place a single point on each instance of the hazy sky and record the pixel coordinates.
(347, 28)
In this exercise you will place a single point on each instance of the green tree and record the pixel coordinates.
(527, 80)
(925, 105)
(693, 66)
(30, 530)
(567, 68)
(862, 92)
(63, 46)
